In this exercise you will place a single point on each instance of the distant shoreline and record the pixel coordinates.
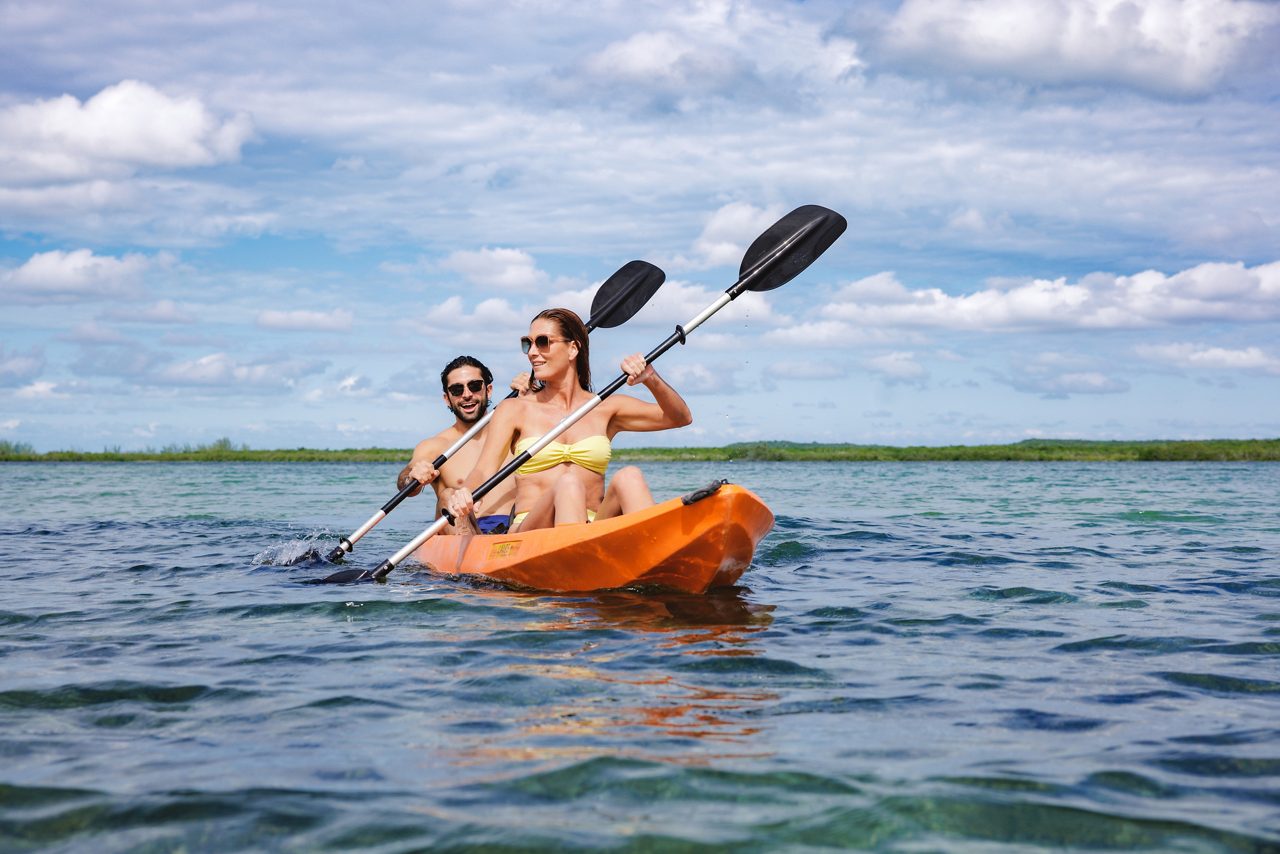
(1031, 450)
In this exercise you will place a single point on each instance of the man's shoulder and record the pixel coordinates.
(433, 445)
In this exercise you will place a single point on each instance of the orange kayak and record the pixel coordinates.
(703, 540)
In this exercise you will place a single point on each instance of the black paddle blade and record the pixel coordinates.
(789, 246)
(306, 557)
(345, 576)
(624, 293)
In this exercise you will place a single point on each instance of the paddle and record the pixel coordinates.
(617, 301)
(776, 257)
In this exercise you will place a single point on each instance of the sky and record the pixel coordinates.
(275, 222)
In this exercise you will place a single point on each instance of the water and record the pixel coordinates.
(959, 657)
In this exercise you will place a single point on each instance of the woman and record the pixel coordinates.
(564, 483)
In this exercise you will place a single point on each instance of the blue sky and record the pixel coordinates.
(275, 222)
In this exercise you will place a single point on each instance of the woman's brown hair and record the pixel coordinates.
(572, 328)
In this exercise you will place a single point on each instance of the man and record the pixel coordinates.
(467, 386)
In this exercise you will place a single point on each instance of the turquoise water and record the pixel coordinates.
(924, 657)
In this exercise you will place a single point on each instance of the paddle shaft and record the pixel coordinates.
(757, 271)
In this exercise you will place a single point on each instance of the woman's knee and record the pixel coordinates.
(629, 476)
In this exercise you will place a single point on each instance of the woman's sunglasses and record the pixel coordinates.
(542, 342)
(474, 386)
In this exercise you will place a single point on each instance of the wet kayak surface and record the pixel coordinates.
(946, 656)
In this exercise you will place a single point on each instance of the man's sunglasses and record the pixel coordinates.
(542, 342)
(474, 386)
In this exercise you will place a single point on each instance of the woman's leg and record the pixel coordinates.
(564, 504)
(571, 500)
(627, 493)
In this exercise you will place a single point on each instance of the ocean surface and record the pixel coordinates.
(924, 657)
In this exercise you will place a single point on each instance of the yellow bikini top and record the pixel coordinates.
(590, 452)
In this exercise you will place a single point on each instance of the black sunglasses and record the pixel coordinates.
(542, 342)
(474, 386)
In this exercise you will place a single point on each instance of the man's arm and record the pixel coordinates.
(419, 468)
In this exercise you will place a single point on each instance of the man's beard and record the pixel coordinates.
(474, 417)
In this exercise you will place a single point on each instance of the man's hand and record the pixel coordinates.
(422, 472)
(522, 385)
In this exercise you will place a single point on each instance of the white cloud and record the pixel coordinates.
(92, 332)
(349, 385)
(899, 367)
(303, 320)
(1207, 357)
(59, 276)
(500, 269)
(808, 369)
(221, 370)
(1168, 47)
(1046, 378)
(124, 127)
(698, 378)
(679, 301)
(691, 57)
(17, 368)
(40, 390)
(10, 424)
(354, 385)
(727, 235)
(493, 323)
(1206, 293)
(161, 311)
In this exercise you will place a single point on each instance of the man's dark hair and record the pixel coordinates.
(472, 361)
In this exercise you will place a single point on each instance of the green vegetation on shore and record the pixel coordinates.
(1031, 450)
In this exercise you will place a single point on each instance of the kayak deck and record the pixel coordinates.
(691, 547)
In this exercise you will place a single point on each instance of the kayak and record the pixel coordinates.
(693, 543)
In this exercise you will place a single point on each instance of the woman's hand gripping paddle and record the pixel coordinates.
(776, 257)
(616, 301)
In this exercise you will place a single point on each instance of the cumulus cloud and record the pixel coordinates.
(75, 276)
(692, 58)
(18, 368)
(161, 311)
(667, 70)
(452, 314)
(500, 269)
(727, 235)
(92, 332)
(1206, 293)
(220, 370)
(348, 385)
(899, 367)
(678, 301)
(40, 390)
(491, 326)
(697, 378)
(1059, 376)
(123, 128)
(1165, 47)
(303, 320)
(1209, 358)
(124, 359)
(808, 369)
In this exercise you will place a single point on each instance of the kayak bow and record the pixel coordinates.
(705, 539)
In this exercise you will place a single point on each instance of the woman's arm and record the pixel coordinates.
(668, 412)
